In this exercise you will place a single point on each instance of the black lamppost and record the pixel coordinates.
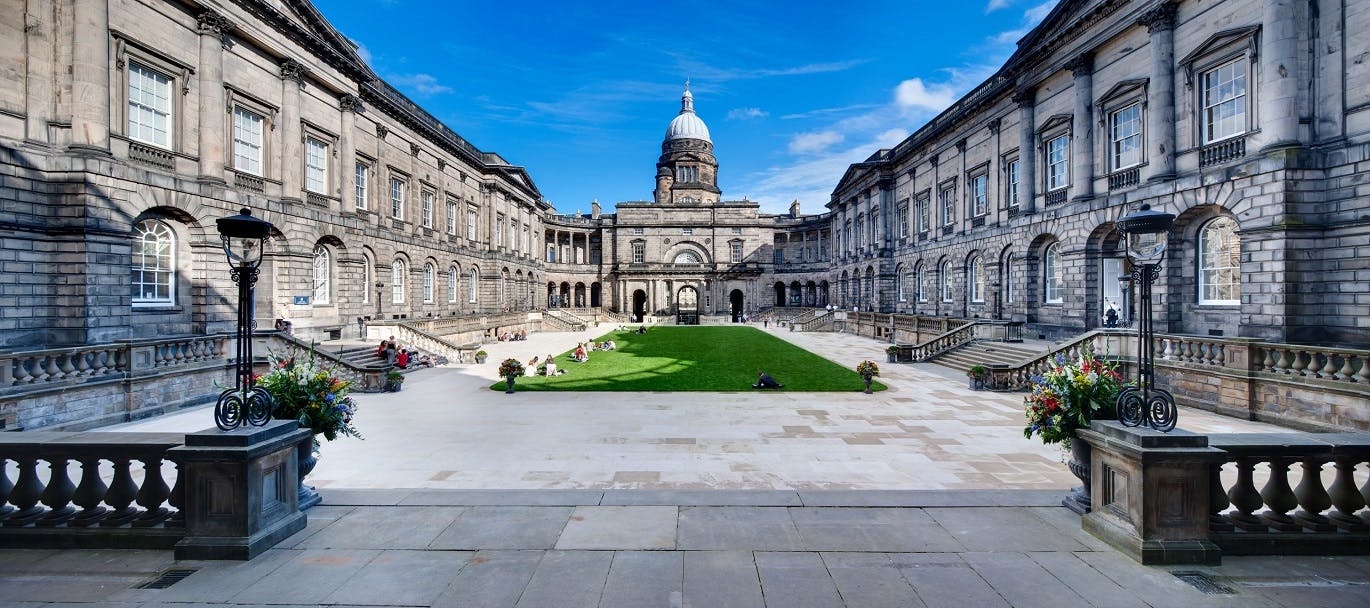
(244, 239)
(1147, 233)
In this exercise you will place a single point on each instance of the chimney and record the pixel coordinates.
(794, 208)
(594, 209)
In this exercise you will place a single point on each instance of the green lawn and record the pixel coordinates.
(694, 359)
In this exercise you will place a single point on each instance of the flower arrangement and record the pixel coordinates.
(892, 350)
(312, 394)
(510, 368)
(867, 369)
(1069, 396)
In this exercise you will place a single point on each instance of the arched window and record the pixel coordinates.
(1008, 278)
(452, 284)
(1053, 283)
(903, 283)
(323, 275)
(1220, 278)
(945, 279)
(429, 276)
(154, 263)
(977, 279)
(688, 257)
(920, 283)
(397, 282)
(472, 284)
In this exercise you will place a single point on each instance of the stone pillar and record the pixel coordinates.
(214, 38)
(291, 154)
(1150, 492)
(1160, 126)
(241, 490)
(1279, 99)
(1082, 138)
(38, 65)
(1027, 150)
(350, 105)
(90, 115)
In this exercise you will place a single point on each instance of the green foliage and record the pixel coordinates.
(705, 359)
(510, 368)
(310, 393)
(867, 369)
(978, 371)
(1070, 396)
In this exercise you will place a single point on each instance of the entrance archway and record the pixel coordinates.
(639, 305)
(779, 294)
(595, 296)
(735, 298)
(687, 306)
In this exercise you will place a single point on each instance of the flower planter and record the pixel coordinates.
(509, 385)
(1080, 454)
(480, 359)
(975, 383)
(306, 461)
(868, 384)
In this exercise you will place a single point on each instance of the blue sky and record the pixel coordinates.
(581, 93)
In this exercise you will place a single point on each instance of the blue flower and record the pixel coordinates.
(330, 397)
(1060, 359)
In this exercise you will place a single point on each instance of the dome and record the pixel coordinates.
(688, 124)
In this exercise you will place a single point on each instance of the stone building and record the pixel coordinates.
(1246, 118)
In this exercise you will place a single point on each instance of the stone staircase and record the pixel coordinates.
(981, 352)
(364, 355)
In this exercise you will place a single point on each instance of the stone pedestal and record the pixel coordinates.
(240, 490)
(1150, 493)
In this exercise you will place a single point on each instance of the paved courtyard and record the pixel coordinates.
(927, 432)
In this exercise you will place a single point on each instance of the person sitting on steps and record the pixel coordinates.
(764, 380)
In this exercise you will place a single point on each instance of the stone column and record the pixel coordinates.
(350, 105)
(90, 115)
(291, 155)
(1027, 150)
(214, 38)
(1160, 103)
(1082, 139)
(1279, 109)
(38, 85)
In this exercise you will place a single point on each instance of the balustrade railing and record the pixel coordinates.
(60, 367)
(944, 342)
(434, 344)
(1330, 364)
(823, 321)
(136, 497)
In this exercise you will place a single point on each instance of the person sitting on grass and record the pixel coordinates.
(609, 345)
(551, 366)
(764, 380)
(642, 329)
(580, 355)
(532, 366)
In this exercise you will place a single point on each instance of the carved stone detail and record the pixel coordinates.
(212, 23)
(293, 70)
(994, 125)
(351, 103)
(1158, 19)
(414, 149)
(1025, 97)
(382, 131)
(1083, 65)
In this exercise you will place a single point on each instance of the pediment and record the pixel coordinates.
(1220, 40)
(1123, 88)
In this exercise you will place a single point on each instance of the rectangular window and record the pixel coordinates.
(363, 175)
(735, 253)
(470, 224)
(637, 231)
(948, 206)
(1012, 180)
(427, 218)
(451, 218)
(687, 174)
(499, 230)
(523, 244)
(639, 252)
(904, 221)
(736, 230)
(924, 215)
(1224, 101)
(472, 283)
(396, 198)
(687, 231)
(315, 165)
(149, 106)
(823, 250)
(1058, 155)
(779, 256)
(247, 141)
(1125, 137)
(979, 198)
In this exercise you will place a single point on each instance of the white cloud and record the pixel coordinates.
(707, 73)
(362, 51)
(809, 143)
(423, 84)
(913, 93)
(747, 113)
(1037, 13)
(995, 5)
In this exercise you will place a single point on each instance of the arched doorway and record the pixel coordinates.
(580, 295)
(551, 295)
(565, 299)
(687, 306)
(639, 305)
(735, 298)
(779, 294)
(595, 295)
(795, 295)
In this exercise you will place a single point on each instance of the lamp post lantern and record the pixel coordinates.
(1147, 233)
(244, 240)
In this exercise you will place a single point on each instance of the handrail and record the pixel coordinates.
(431, 343)
(819, 322)
(944, 342)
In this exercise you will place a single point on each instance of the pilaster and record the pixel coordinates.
(90, 85)
(214, 38)
(1160, 132)
(1027, 150)
(1082, 140)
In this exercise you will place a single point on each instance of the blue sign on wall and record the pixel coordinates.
(302, 300)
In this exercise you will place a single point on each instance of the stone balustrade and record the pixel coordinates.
(1323, 363)
(428, 342)
(944, 342)
(61, 498)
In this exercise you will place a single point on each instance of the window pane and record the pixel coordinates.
(323, 265)
(247, 141)
(153, 263)
(1057, 157)
(315, 165)
(361, 186)
(1220, 263)
(149, 106)
(1126, 137)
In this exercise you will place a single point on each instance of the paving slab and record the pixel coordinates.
(944, 580)
(704, 498)
(308, 578)
(722, 578)
(487, 527)
(215, 580)
(401, 578)
(870, 580)
(737, 528)
(870, 529)
(567, 578)
(1084, 580)
(931, 498)
(491, 579)
(319, 517)
(548, 498)
(997, 529)
(796, 580)
(640, 579)
(1022, 581)
(1158, 587)
(385, 528)
(620, 528)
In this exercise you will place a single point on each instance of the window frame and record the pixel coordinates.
(472, 285)
(946, 194)
(920, 275)
(399, 275)
(1202, 106)
(639, 251)
(975, 282)
(472, 222)
(361, 185)
(924, 210)
(430, 279)
(326, 146)
(944, 282)
(321, 252)
(1053, 276)
(399, 185)
(1064, 164)
(1111, 123)
(1202, 271)
(1013, 179)
(128, 51)
(139, 236)
(156, 68)
(453, 276)
(735, 251)
(452, 208)
(427, 200)
(903, 210)
(262, 154)
(978, 195)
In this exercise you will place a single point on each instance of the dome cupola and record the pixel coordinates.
(687, 125)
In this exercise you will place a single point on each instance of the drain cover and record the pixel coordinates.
(1200, 581)
(166, 579)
